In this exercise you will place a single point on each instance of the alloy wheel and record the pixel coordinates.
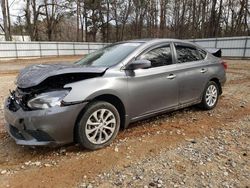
(100, 126)
(211, 95)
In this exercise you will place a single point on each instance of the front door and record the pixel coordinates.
(155, 88)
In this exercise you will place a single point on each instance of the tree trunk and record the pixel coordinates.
(86, 22)
(246, 17)
(194, 31)
(28, 19)
(116, 26)
(82, 25)
(162, 17)
(36, 14)
(77, 19)
(5, 20)
(203, 16)
(217, 27)
(212, 24)
(8, 14)
(107, 28)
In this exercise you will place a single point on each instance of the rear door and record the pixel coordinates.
(192, 72)
(155, 88)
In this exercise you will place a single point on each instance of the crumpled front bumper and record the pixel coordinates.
(52, 126)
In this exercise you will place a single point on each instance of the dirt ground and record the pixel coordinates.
(185, 148)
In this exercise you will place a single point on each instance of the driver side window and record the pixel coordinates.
(160, 56)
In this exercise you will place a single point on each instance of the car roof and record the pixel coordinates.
(158, 40)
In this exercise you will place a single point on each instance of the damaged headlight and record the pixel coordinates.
(47, 100)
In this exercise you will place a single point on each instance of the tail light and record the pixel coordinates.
(224, 64)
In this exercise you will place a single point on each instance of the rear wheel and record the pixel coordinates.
(98, 125)
(210, 96)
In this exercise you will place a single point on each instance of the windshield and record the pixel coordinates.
(109, 55)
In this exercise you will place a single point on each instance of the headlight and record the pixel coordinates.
(47, 100)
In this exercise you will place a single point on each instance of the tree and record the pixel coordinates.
(115, 20)
(32, 13)
(6, 20)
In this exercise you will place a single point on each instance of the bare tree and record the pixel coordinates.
(115, 20)
(6, 20)
(78, 9)
(32, 12)
(54, 13)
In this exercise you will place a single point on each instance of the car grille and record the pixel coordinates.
(39, 135)
(17, 100)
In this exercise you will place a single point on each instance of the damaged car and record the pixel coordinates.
(88, 102)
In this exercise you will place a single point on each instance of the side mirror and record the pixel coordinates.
(139, 64)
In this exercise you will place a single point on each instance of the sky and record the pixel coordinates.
(16, 7)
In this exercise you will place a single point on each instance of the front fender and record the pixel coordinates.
(88, 89)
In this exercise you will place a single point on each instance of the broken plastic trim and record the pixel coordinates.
(215, 51)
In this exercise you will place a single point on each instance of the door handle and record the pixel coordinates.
(171, 76)
(203, 70)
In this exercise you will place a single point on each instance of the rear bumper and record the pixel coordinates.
(53, 126)
(223, 80)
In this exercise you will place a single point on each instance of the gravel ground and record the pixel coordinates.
(220, 160)
(185, 148)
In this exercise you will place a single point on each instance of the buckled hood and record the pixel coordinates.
(35, 74)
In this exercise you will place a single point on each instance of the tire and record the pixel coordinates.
(210, 96)
(98, 126)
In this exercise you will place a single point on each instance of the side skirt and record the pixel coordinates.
(163, 111)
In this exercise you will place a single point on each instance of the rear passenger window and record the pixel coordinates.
(188, 54)
(159, 56)
(202, 53)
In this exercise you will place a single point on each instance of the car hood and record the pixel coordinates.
(36, 74)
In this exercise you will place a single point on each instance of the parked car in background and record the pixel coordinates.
(90, 101)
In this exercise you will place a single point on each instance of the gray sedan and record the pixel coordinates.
(91, 100)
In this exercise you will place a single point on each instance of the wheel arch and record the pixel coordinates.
(112, 99)
(217, 81)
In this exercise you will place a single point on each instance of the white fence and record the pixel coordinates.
(42, 49)
(236, 47)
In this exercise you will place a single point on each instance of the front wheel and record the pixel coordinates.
(98, 125)
(210, 96)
